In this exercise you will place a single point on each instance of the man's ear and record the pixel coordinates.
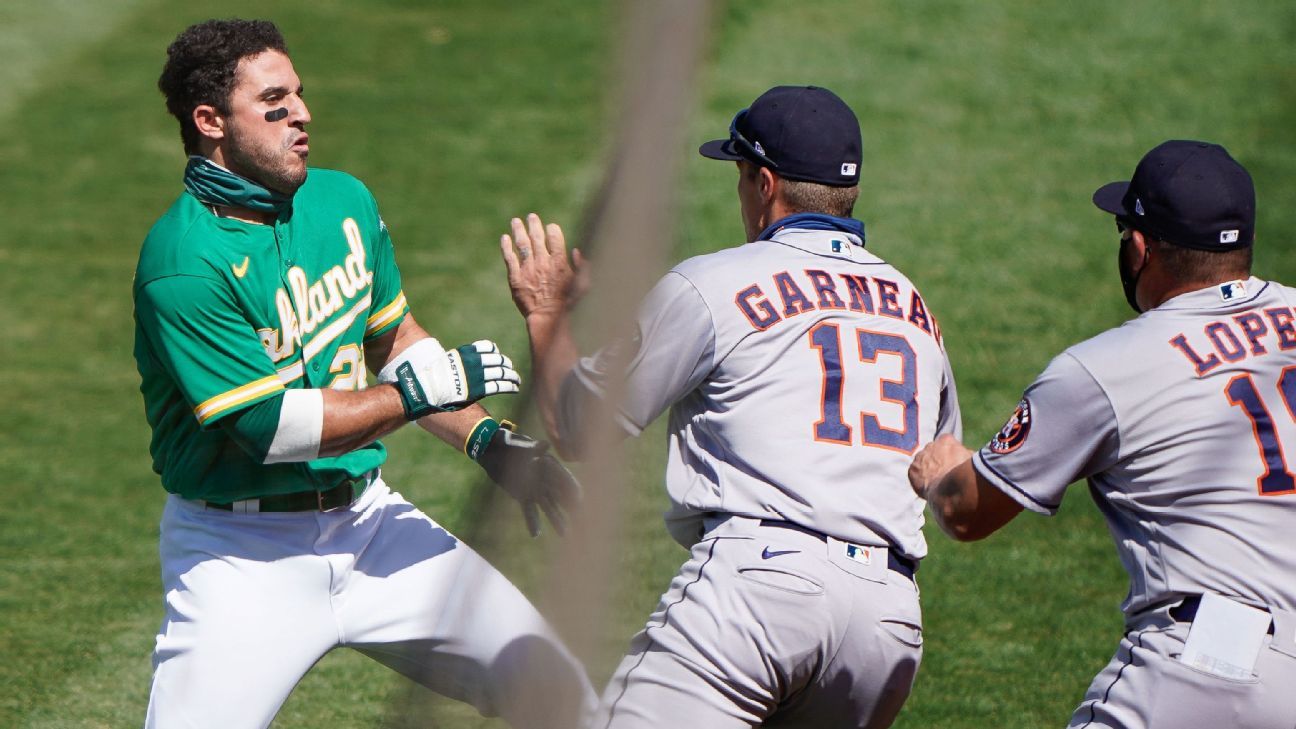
(209, 121)
(769, 185)
(1143, 249)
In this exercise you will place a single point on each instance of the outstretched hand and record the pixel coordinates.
(523, 466)
(541, 279)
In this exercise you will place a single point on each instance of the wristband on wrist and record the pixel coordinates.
(413, 400)
(480, 435)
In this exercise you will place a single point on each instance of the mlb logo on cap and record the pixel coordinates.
(802, 133)
(1188, 193)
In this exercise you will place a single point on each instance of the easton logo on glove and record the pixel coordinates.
(457, 364)
(432, 380)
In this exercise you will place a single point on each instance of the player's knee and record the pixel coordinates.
(539, 685)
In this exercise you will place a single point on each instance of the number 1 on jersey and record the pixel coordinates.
(827, 339)
(1241, 391)
(831, 426)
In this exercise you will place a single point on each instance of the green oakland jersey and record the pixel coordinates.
(229, 313)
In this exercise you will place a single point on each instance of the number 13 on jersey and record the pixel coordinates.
(870, 346)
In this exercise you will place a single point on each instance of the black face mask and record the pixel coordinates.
(1129, 279)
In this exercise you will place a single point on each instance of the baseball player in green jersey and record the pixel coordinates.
(262, 298)
(1182, 420)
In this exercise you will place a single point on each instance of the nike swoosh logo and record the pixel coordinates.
(767, 553)
(240, 270)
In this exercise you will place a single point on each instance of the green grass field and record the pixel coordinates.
(987, 126)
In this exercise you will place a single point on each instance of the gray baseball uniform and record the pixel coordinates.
(1183, 421)
(802, 372)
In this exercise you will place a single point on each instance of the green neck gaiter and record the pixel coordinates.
(215, 185)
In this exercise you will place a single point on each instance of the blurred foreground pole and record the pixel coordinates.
(628, 234)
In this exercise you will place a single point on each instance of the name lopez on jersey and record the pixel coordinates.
(1235, 338)
(861, 293)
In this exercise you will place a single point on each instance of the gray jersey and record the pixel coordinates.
(802, 374)
(1184, 422)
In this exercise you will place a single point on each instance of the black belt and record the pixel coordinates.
(338, 497)
(895, 562)
(1185, 611)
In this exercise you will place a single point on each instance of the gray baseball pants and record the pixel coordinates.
(1145, 686)
(769, 626)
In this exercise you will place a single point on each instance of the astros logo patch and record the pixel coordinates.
(1013, 434)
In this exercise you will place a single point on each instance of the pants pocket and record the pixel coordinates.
(903, 630)
(782, 579)
(1183, 696)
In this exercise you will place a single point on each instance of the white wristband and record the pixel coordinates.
(301, 427)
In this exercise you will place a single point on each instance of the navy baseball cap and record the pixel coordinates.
(1191, 194)
(802, 133)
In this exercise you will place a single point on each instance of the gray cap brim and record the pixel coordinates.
(720, 149)
(1109, 197)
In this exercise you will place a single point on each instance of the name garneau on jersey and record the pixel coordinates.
(815, 289)
(756, 306)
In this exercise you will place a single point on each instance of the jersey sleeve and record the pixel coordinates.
(1064, 429)
(950, 420)
(670, 352)
(199, 336)
(389, 306)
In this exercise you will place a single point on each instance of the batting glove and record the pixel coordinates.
(523, 467)
(432, 380)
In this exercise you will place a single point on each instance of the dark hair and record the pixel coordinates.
(1189, 265)
(201, 66)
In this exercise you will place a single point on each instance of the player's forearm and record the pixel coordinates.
(967, 507)
(305, 424)
(354, 419)
(553, 355)
(953, 501)
(454, 427)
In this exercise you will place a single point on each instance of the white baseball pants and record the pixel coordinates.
(254, 600)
